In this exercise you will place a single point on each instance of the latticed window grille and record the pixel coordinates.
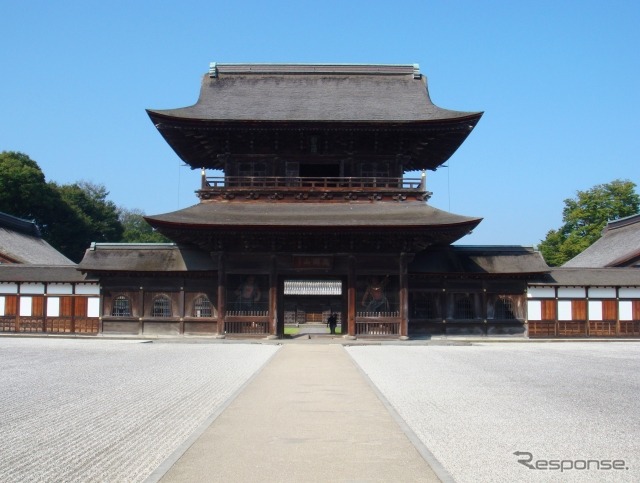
(463, 308)
(312, 287)
(202, 307)
(161, 306)
(504, 308)
(121, 307)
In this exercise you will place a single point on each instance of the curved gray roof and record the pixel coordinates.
(20, 242)
(42, 273)
(619, 246)
(506, 259)
(300, 215)
(580, 277)
(144, 257)
(314, 92)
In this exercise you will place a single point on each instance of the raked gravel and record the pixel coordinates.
(82, 410)
(474, 406)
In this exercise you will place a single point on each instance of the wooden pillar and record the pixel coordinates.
(404, 296)
(618, 311)
(586, 312)
(181, 308)
(101, 312)
(273, 297)
(351, 298)
(485, 308)
(141, 310)
(16, 326)
(222, 293)
(73, 311)
(45, 307)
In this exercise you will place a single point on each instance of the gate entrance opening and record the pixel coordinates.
(309, 303)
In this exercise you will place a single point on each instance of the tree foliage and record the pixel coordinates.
(23, 190)
(585, 216)
(136, 229)
(70, 217)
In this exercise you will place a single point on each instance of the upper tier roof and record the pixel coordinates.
(255, 99)
(315, 92)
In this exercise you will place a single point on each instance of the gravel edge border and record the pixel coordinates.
(432, 461)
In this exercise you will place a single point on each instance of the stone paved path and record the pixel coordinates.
(309, 415)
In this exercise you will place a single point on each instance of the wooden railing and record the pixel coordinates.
(377, 315)
(284, 182)
(582, 328)
(246, 327)
(79, 325)
(377, 328)
(247, 313)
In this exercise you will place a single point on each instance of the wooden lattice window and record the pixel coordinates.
(121, 306)
(202, 307)
(425, 306)
(161, 306)
(463, 308)
(504, 309)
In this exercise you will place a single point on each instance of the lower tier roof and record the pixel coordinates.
(300, 215)
(404, 226)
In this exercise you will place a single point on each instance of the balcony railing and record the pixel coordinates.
(283, 182)
(303, 188)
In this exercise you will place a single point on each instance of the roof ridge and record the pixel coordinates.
(622, 222)
(19, 224)
(216, 68)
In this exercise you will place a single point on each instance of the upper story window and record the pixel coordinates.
(161, 306)
(121, 306)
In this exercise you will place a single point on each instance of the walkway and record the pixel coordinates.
(309, 415)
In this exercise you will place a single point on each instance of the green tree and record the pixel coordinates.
(98, 217)
(23, 190)
(136, 229)
(25, 193)
(585, 216)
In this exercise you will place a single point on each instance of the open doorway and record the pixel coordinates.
(308, 304)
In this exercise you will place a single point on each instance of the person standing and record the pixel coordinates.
(332, 321)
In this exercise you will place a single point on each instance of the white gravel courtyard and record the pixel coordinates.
(83, 410)
(474, 406)
(101, 410)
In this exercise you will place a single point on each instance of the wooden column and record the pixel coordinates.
(45, 307)
(73, 311)
(16, 327)
(485, 308)
(351, 298)
(404, 296)
(222, 293)
(141, 310)
(273, 297)
(618, 311)
(181, 308)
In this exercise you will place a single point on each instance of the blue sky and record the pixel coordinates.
(557, 80)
